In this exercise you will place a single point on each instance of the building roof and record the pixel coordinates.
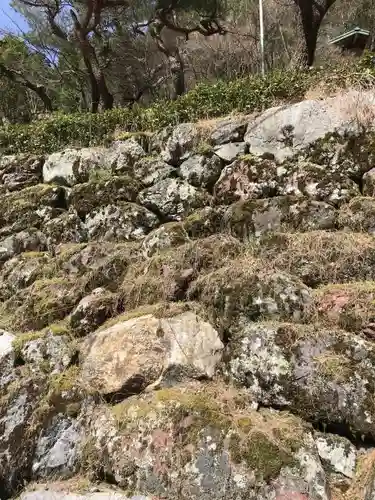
(350, 37)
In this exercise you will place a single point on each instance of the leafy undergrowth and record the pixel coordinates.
(244, 95)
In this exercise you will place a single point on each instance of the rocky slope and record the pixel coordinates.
(191, 315)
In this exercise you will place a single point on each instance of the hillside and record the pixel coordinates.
(190, 313)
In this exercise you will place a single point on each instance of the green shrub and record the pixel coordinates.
(244, 95)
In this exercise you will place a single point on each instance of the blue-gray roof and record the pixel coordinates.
(353, 33)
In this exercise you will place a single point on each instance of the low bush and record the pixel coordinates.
(244, 95)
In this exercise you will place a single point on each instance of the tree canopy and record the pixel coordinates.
(92, 55)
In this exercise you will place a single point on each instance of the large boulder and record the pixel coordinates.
(324, 375)
(120, 222)
(151, 169)
(173, 199)
(93, 310)
(228, 130)
(337, 452)
(358, 215)
(246, 289)
(68, 227)
(90, 195)
(229, 152)
(30, 240)
(30, 207)
(17, 434)
(284, 130)
(280, 213)
(48, 351)
(122, 156)
(203, 442)
(126, 358)
(57, 450)
(252, 178)
(200, 171)
(21, 271)
(180, 144)
(72, 166)
(168, 235)
(20, 171)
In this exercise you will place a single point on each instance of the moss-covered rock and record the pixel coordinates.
(21, 271)
(323, 375)
(166, 236)
(204, 222)
(281, 213)
(30, 207)
(45, 301)
(173, 199)
(246, 289)
(358, 215)
(93, 310)
(85, 197)
(203, 443)
(119, 222)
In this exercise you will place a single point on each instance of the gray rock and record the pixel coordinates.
(317, 182)
(200, 171)
(173, 198)
(93, 310)
(55, 350)
(24, 241)
(150, 170)
(66, 228)
(166, 236)
(40, 494)
(134, 354)
(338, 452)
(369, 183)
(121, 222)
(278, 465)
(7, 358)
(17, 438)
(123, 155)
(57, 451)
(323, 375)
(248, 178)
(20, 272)
(247, 218)
(72, 165)
(283, 131)
(20, 171)
(245, 290)
(230, 130)
(229, 152)
(179, 146)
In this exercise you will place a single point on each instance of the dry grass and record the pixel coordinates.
(321, 257)
(167, 275)
(362, 484)
(349, 306)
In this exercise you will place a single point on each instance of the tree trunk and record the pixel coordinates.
(310, 41)
(107, 97)
(178, 74)
(17, 77)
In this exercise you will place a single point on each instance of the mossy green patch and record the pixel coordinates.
(103, 191)
(260, 454)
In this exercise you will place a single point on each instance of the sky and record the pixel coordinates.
(9, 19)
